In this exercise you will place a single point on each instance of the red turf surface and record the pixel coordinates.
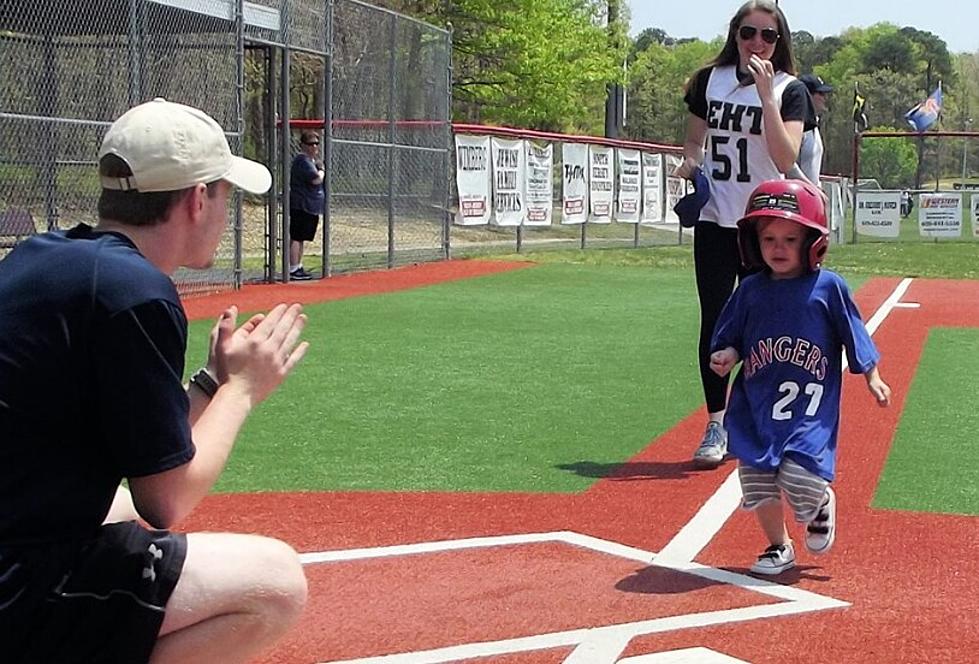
(265, 296)
(912, 579)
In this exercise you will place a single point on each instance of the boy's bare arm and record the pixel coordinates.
(877, 387)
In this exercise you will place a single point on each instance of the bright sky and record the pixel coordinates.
(954, 21)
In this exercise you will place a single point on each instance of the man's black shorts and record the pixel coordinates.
(102, 600)
(302, 225)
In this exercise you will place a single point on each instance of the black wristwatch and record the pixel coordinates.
(205, 382)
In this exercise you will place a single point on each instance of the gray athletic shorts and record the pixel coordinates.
(803, 490)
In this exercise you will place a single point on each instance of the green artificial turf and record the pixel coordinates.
(932, 465)
(543, 380)
(534, 380)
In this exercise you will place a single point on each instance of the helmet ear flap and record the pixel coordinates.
(817, 251)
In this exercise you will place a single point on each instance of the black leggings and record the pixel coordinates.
(717, 264)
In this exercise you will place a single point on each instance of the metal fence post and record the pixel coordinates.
(240, 129)
(449, 149)
(392, 90)
(285, 139)
(328, 141)
(272, 150)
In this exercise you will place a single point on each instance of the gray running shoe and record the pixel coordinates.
(713, 448)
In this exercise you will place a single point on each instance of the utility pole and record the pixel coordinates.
(614, 92)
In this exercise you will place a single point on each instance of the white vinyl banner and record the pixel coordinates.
(878, 213)
(630, 186)
(574, 178)
(940, 215)
(835, 194)
(540, 185)
(676, 188)
(473, 179)
(601, 183)
(652, 188)
(509, 174)
(974, 206)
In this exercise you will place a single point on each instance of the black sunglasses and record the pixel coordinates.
(314, 143)
(768, 35)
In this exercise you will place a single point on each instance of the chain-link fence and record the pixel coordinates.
(70, 71)
(68, 74)
(914, 187)
(652, 194)
(382, 90)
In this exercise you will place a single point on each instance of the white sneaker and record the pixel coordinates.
(713, 447)
(775, 559)
(821, 531)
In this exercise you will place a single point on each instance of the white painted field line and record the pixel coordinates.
(684, 656)
(707, 522)
(599, 645)
(425, 547)
(578, 636)
(600, 648)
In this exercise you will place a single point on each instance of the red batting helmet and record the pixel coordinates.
(794, 200)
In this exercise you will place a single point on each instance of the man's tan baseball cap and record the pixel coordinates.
(170, 147)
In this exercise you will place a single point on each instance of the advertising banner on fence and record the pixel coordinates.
(601, 183)
(630, 186)
(652, 188)
(940, 215)
(974, 206)
(540, 184)
(676, 188)
(473, 180)
(509, 173)
(878, 213)
(574, 183)
(835, 212)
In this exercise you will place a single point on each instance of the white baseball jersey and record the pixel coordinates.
(811, 154)
(737, 157)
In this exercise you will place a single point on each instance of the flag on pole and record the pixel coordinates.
(926, 113)
(860, 120)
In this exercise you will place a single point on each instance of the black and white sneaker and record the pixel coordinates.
(775, 560)
(300, 274)
(821, 531)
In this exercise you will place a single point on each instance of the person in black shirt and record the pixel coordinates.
(306, 196)
(92, 344)
(747, 113)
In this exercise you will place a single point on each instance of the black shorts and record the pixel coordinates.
(102, 600)
(302, 225)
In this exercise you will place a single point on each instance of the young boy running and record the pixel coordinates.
(788, 325)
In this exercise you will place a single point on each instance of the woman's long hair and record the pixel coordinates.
(782, 58)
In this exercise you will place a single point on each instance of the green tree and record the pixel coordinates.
(892, 161)
(537, 64)
(647, 38)
(656, 87)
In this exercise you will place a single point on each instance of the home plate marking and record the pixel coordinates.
(685, 656)
(599, 645)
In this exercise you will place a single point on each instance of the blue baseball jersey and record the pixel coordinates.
(790, 334)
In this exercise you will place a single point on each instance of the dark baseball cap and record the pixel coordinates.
(688, 208)
(816, 84)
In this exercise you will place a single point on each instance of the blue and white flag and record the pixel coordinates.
(925, 114)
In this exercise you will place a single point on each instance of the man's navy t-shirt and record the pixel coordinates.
(92, 345)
